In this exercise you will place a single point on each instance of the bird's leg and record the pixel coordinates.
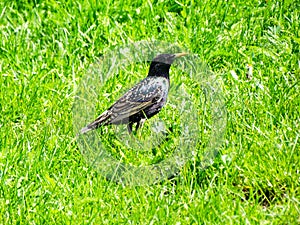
(129, 127)
(140, 124)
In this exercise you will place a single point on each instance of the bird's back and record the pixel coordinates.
(144, 100)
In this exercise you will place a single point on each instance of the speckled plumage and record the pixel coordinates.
(143, 100)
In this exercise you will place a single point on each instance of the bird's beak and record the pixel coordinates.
(177, 55)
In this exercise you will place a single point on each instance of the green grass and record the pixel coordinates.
(46, 48)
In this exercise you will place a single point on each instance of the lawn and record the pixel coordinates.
(47, 48)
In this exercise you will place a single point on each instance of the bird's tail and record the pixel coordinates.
(85, 130)
(102, 120)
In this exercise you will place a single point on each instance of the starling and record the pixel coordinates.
(143, 100)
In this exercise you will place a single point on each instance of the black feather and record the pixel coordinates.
(143, 100)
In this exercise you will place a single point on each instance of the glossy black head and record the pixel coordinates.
(160, 65)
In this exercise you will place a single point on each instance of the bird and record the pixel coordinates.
(142, 101)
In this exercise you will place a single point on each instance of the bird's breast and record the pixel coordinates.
(152, 83)
(159, 87)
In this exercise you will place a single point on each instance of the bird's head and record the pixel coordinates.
(160, 65)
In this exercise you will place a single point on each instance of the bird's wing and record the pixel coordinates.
(135, 100)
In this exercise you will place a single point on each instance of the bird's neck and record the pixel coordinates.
(158, 69)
